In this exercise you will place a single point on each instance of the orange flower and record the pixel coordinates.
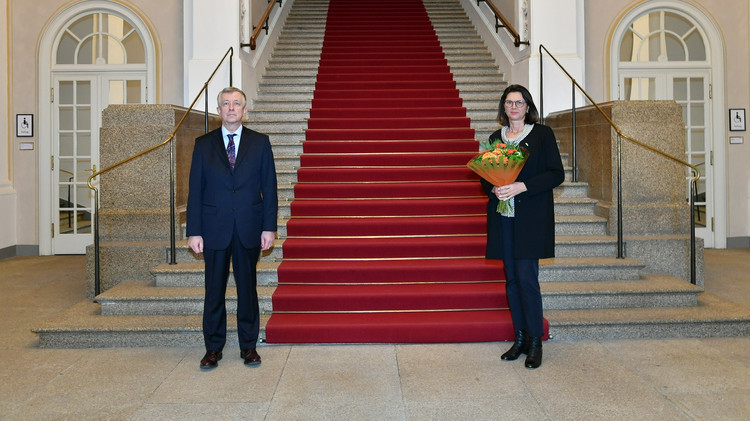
(487, 164)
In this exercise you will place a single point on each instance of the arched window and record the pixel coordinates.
(100, 38)
(662, 36)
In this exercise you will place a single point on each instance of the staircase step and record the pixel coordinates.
(414, 327)
(651, 291)
(712, 317)
(83, 326)
(578, 269)
(370, 190)
(388, 123)
(395, 207)
(385, 247)
(575, 206)
(392, 297)
(390, 158)
(585, 246)
(565, 246)
(145, 298)
(185, 255)
(580, 225)
(383, 226)
(381, 174)
(191, 274)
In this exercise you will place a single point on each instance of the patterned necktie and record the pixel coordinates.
(230, 150)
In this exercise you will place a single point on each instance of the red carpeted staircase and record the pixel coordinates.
(386, 238)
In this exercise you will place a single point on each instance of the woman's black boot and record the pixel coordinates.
(520, 346)
(534, 358)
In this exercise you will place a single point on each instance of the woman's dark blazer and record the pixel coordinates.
(534, 222)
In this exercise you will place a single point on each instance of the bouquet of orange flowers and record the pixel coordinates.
(500, 165)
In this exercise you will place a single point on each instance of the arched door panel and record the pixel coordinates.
(661, 51)
(100, 53)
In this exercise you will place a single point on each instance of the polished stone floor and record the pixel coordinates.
(670, 379)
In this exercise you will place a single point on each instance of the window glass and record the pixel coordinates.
(675, 48)
(662, 36)
(100, 38)
(133, 92)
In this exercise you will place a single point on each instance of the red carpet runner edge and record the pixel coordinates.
(387, 230)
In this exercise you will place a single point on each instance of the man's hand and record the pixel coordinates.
(195, 243)
(266, 239)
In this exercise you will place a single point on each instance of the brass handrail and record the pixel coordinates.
(262, 24)
(611, 123)
(97, 277)
(620, 136)
(504, 23)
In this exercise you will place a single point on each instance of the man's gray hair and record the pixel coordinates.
(231, 90)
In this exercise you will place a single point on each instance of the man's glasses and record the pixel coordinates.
(520, 103)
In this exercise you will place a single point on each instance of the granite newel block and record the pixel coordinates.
(134, 208)
(654, 203)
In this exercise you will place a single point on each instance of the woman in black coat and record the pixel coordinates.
(526, 233)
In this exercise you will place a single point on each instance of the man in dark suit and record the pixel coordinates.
(231, 215)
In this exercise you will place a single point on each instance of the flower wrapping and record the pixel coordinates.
(500, 166)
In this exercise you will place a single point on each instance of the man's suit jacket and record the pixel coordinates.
(220, 197)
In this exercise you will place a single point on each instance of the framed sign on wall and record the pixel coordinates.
(737, 119)
(24, 125)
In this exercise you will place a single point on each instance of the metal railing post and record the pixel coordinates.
(620, 243)
(693, 189)
(172, 218)
(97, 270)
(573, 156)
(541, 86)
(205, 110)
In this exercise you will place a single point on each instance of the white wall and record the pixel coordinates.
(8, 237)
(548, 21)
(210, 28)
(558, 26)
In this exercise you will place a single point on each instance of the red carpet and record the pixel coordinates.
(387, 234)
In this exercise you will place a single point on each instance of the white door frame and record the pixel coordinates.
(715, 56)
(48, 41)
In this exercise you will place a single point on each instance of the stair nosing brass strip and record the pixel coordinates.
(384, 236)
(387, 153)
(276, 284)
(447, 310)
(382, 216)
(329, 167)
(387, 182)
(385, 198)
(392, 140)
(369, 259)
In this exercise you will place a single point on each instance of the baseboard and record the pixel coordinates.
(19, 250)
(738, 242)
(7, 252)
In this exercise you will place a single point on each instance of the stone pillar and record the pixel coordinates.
(656, 215)
(134, 198)
(210, 28)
